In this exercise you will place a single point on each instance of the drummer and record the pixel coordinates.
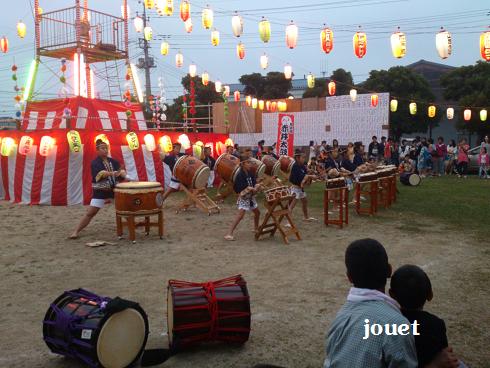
(106, 172)
(270, 152)
(210, 162)
(298, 177)
(170, 160)
(246, 187)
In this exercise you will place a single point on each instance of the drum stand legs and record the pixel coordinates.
(340, 199)
(200, 199)
(225, 189)
(278, 210)
(371, 193)
(385, 192)
(131, 224)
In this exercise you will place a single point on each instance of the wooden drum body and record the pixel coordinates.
(210, 311)
(257, 169)
(227, 166)
(135, 198)
(285, 164)
(271, 168)
(192, 172)
(370, 176)
(277, 193)
(335, 183)
(99, 331)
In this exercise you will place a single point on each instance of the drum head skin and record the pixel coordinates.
(121, 339)
(414, 180)
(201, 177)
(138, 185)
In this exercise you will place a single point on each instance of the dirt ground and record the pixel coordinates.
(295, 289)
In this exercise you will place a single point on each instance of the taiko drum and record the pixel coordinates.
(285, 164)
(192, 172)
(270, 165)
(257, 168)
(227, 166)
(138, 197)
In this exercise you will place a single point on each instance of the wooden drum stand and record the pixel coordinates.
(336, 192)
(367, 186)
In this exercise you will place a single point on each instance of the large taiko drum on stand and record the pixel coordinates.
(227, 167)
(410, 179)
(138, 197)
(210, 311)
(192, 172)
(270, 165)
(257, 168)
(99, 331)
(285, 164)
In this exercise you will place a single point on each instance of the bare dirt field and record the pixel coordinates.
(295, 289)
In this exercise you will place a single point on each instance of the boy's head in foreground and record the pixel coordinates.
(411, 287)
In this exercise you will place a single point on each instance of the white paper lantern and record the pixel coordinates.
(353, 95)
(443, 44)
(237, 25)
(264, 61)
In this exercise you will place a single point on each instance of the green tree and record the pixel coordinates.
(343, 83)
(406, 86)
(469, 86)
(320, 89)
(272, 86)
(254, 84)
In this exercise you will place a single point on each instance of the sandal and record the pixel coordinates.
(229, 237)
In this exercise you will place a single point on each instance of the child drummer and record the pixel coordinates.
(299, 177)
(246, 187)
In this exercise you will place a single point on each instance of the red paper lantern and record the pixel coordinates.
(360, 44)
(185, 10)
(273, 106)
(326, 40)
(374, 100)
(268, 105)
(236, 94)
(240, 51)
(332, 88)
(248, 100)
(485, 45)
(4, 44)
(467, 115)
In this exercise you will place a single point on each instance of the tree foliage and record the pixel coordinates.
(469, 86)
(406, 86)
(272, 86)
(342, 78)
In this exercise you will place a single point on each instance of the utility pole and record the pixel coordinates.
(147, 63)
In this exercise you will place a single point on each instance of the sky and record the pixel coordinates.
(419, 19)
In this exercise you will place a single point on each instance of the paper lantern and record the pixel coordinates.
(326, 40)
(485, 45)
(103, 138)
(205, 79)
(139, 24)
(282, 106)
(240, 50)
(237, 25)
(268, 105)
(46, 146)
(265, 30)
(179, 60)
(25, 145)
(40, 10)
(248, 100)
(393, 105)
(353, 95)
(220, 148)
(21, 29)
(133, 142)
(192, 70)
(150, 142)
(332, 88)
(261, 104)
(168, 10)
(148, 32)
(310, 79)
(165, 144)
(196, 151)
(4, 44)
(291, 35)
(149, 4)
(74, 141)
(226, 91)
(483, 115)
(467, 114)
(443, 44)
(360, 44)
(229, 142)
(431, 111)
(374, 100)
(185, 10)
(413, 108)
(215, 37)
(164, 48)
(254, 103)
(7, 146)
(207, 18)
(188, 25)
(199, 143)
(184, 141)
(236, 95)
(288, 71)
(398, 44)
(218, 86)
(273, 106)
(450, 113)
(264, 61)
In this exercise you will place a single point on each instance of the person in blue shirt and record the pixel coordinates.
(245, 185)
(106, 173)
(170, 160)
(299, 177)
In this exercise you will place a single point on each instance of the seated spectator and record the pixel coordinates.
(411, 287)
(368, 269)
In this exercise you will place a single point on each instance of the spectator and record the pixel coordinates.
(382, 145)
(486, 143)
(441, 151)
(424, 159)
(388, 150)
(257, 151)
(312, 151)
(484, 161)
(403, 150)
(411, 287)
(210, 162)
(335, 144)
(323, 147)
(463, 159)
(433, 155)
(374, 149)
(452, 157)
(368, 269)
